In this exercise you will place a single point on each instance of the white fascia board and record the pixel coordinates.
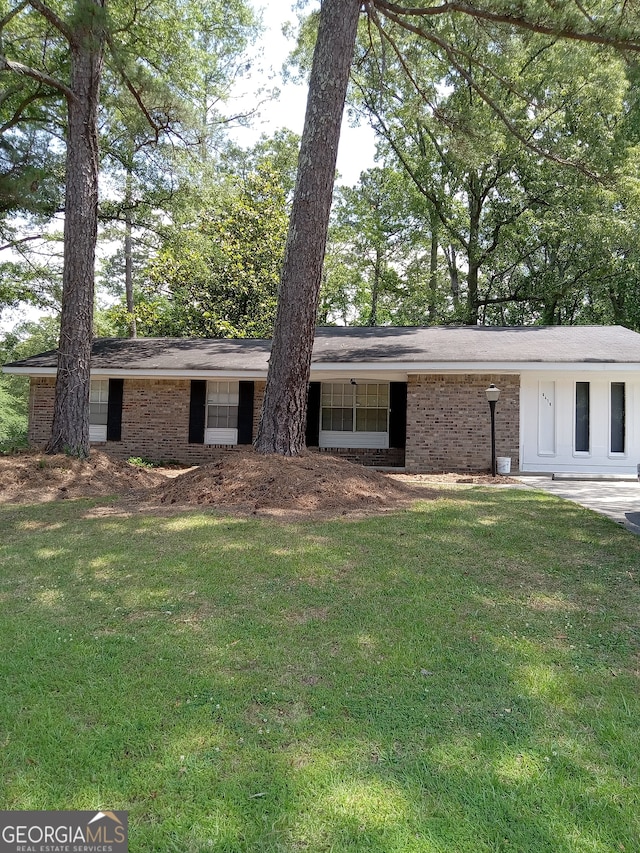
(403, 369)
(147, 374)
(525, 367)
(374, 373)
(393, 371)
(26, 371)
(181, 374)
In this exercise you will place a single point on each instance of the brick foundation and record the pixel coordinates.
(393, 457)
(450, 425)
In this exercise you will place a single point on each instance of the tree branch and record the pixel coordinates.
(155, 126)
(450, 52)
(394, 11)
(34, 74)
(55, 21)
(14, 243)
(18, 112)
(12, 13)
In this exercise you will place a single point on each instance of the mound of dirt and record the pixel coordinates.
(314, 484)
(309, 484)
(37, 477)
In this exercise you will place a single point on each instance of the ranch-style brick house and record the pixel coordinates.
(403, 397)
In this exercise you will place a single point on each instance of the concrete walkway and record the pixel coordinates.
(617, 499)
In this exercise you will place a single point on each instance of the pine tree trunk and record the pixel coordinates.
(70, 430)
(375, 290)
(432, 311)
(282, 425)
(128, 249)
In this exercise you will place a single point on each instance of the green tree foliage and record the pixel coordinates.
(512, 132)
(69, 50)
(25, 340)
(217, 276)
(373, 240)
(154, 159)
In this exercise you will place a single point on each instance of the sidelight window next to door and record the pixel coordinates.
(617, 417)
(617, 430)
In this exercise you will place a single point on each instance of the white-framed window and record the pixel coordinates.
(617, 428)
(354, 415)
(582, 433)
(98, 409)
(222, 413)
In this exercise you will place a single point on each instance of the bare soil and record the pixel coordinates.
(313, 484)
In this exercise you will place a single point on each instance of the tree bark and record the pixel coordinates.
(375, 290)
(473, 253)
(128, 257)
(282, 425)
(432, 310)
(70, 430)
(128, 276)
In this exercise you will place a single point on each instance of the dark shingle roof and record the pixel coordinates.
(386, 345)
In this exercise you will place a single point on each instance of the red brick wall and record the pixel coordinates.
(450, 426)
(448, 417)
(155, 420)
(41, 393)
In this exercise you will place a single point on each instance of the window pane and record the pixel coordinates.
(222, 417)
(371, 420)
(369, 401)
(582, 416)
(340, 420)
(617, 417)
(98, 400)
(222, 405)
(222, 393)
(99, 390)
(98, 413)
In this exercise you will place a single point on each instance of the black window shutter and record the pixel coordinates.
(197, 407)
(397, 414)
(245, 413)
(114, 410)
(312, 437)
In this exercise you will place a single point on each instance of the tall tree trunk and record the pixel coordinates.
(282, 425)
(454, 274)
(473, 253)
(70, 430)
(128, 256)
(375, 290)
(432, 310)
(471, 313)
(128, 276)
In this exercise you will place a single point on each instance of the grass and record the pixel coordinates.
(459, 677)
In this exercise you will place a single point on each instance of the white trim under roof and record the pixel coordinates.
(130, 373)
(391, 371)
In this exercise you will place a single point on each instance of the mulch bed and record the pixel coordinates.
(313, 484)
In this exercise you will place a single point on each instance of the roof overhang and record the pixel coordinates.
(395, 371)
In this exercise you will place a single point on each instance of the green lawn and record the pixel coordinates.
(460, 677)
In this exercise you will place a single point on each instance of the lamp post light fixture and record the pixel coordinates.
(493, 395)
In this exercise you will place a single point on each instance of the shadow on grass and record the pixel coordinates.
(460, 677)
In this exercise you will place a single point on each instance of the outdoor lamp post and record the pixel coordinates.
(493, 395)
